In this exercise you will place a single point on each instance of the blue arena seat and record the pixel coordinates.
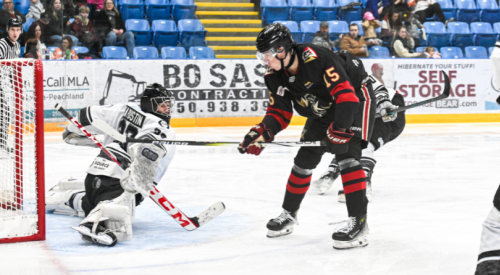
(294, 29)
(274, 10)
(132, 9)
(490, 50)
(165, 33)
(173, 53)
(489, 11)
(358, 22)
(28, 23)
(496, 27)
(140, 28)
(483, 34)
(183, 9)
(336, 28)
(436, 34)
(201, 53)
(191, 33)
(351, 14)
(379, 52)
(23, 6)
(460, 34)
(475, 52)
(300, 10)
(325, 10)
(448, 8)
(309, 28)
(158, 9)
(80, 49)
(113, 52)
(467, 11)
(52, 48)
(145, 53)
(451, 52)
(22, 51)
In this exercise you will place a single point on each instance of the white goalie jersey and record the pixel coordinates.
(130, 120)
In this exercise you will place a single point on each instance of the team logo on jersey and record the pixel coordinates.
(163, 123)
(281, 90)
(269, 71)
(309, 55)
(311, 100)
(292, 78)
(308, 84)
(134, 117)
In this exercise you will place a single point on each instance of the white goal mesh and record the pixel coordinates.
(22, 216)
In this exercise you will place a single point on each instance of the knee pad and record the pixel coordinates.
(348, 163)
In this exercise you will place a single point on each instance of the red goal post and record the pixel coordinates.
(22, 188)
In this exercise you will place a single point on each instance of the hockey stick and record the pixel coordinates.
(112, 132)
(189, 223)
(445, 94)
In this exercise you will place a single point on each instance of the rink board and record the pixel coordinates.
(233, 93)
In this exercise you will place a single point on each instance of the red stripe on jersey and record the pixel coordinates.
(342, 86)
(366, 113)
(297, 180)
(295, 190)
(359, 174)
(280, 120)
(354, 187)
(285, 114)
(347, 97)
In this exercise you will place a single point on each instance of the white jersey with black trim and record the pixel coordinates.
(129, 120)
(381, 92)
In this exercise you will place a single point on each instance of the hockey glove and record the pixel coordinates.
(337, 141)
(386, 110)
(75, 139)
(250, 144)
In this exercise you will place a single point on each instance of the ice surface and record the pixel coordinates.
(432, 189)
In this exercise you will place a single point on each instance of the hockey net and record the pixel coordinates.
(22, 203)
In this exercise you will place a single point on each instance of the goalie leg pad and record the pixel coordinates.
(66, 197)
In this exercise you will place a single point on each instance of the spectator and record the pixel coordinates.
(97, 5)
(403, 45)
(35, 32)
(412, 25)
(378, 72)
(429, 8)
(369, 25)
(389, 25)
(109, 26)
(45, 27)
(36, 9)
(430, 52)
(354, 43)
(59, 23)
(7, 13)
(64, 50)
(400, 6)
(82, 27)
(322, 37)
(31, 49)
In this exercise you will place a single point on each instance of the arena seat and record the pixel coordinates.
(80, 49)
(274, 10)
(451, 52)
(436, 34)
(52, 48)
(191, 33)
(309, 28)
(325, 10)
(201, 53)
(483, 34)
(165, 33)
(448, 8)
(489, 11)
(496, 27)
(351, 14)
(475, 52)
(358, 22)
(23, 6)
(27, 24)
(183, 9)
(145, 53)
(157, 9)
(173, 53)
(132, 9)
(113, 52)
(460, 34)
(336, 28)
(300, 10)
(294, 29)
(467, 11)
(490, 50)
(379, 52)
(140, 28)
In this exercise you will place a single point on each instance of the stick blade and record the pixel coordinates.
(210, 213)
(108, 130)
(447, 88)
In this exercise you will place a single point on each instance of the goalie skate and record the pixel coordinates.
(282, 225)
(354, 234)
(103, 236)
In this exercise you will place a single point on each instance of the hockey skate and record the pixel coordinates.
(325, 182)
(99, 235)
(282, 225)
(354, 234)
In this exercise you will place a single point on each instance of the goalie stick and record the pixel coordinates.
(189, 223)
(445, 94)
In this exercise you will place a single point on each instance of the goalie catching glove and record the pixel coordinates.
(76, 139)
(258, 133)
(386, 110)
(337, 141)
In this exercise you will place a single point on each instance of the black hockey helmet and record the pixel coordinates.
(158, 101)
(14, 22)
(274, 39)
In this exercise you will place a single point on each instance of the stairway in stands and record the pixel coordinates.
(232, 27)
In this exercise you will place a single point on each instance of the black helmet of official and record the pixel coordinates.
(158, 101)
(275, 36)
(14, 22)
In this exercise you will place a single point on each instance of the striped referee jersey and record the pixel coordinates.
(9, 50)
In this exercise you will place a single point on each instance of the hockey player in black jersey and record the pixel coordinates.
(330, 90)
(386, 128)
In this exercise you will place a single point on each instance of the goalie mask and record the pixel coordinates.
(272, 40)
(158, 101)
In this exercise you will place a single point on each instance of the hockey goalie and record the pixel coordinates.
(108, 195)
